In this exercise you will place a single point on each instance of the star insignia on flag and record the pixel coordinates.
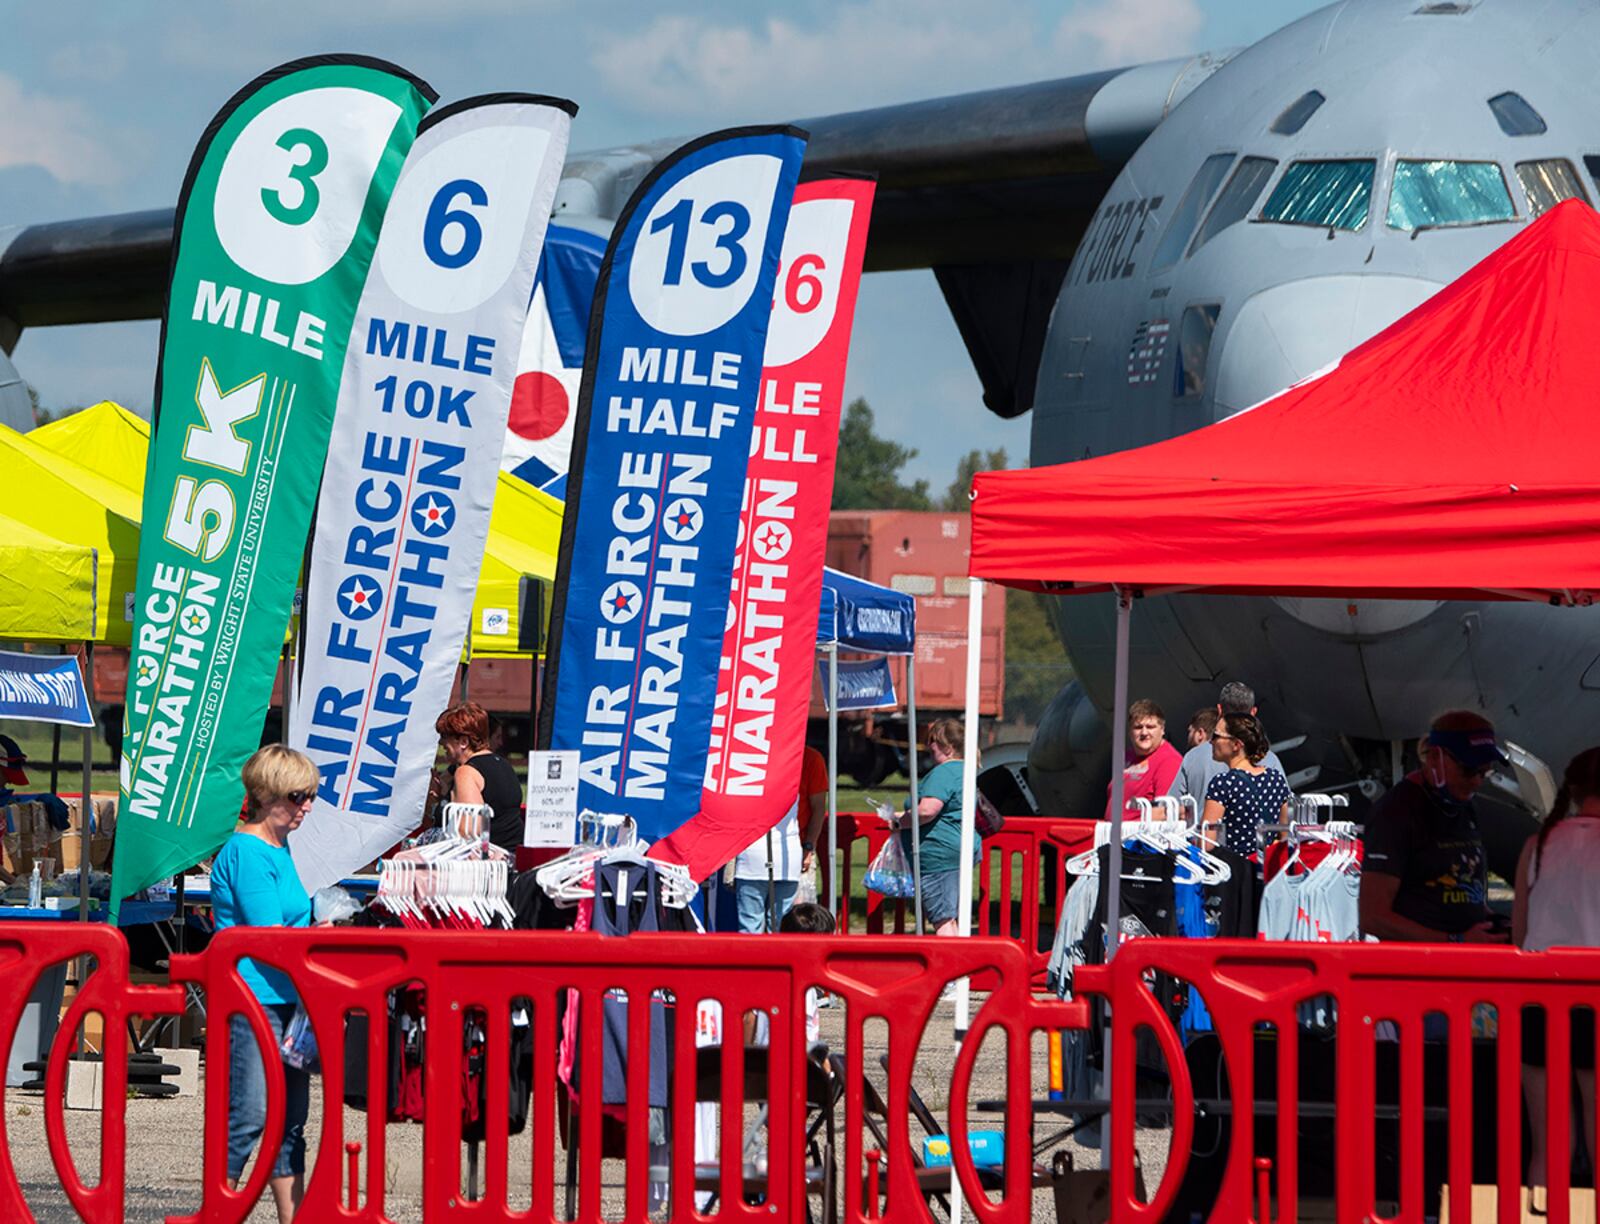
(772, 541)
(620, 602)
(433, 514)
(359, 597)
(683, 519)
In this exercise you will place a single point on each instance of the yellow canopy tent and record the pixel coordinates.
(524, 538)
(59, 497)
(47, 586)
(105, 438)
(524, 528)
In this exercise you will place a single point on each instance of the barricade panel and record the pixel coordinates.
(1421, 1066)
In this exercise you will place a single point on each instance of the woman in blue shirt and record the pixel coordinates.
(939, 810)
(254, 883)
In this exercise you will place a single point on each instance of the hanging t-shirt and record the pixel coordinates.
(1433, 846)
(1232, 905)
(1248, 801)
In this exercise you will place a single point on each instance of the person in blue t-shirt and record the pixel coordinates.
(254, 883)
(939, 807)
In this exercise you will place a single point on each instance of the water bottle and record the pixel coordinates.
(36, 887)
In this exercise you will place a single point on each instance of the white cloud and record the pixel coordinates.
(1111, 33)
(95, 60)
(56, 135)
(867, 53)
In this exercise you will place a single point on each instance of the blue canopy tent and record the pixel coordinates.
(865, 618)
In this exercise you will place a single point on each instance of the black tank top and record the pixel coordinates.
(503, 793)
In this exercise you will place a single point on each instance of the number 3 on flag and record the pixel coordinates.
(290, 193)
(697, 256)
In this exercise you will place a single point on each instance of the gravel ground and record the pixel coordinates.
(165, 1138)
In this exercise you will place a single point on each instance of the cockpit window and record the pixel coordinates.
(1549, 182)
(1297, 112)
(1429, 194)
(1194, 349)
(1330, 194)
(1515, 116)
(1237, 198)
(1189, 209)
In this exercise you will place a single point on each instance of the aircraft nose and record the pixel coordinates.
(1290, 331)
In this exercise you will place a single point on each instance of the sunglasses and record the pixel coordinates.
(301, 797)
(1232, 739)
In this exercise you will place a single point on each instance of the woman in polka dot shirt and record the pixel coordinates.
(1248, 794)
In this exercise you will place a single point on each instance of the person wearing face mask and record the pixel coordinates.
(1425, 876)
(254, 883)
(1152, 762)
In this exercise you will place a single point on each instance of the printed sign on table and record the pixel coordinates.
(407, 490)
(552, 799)
(661, 445)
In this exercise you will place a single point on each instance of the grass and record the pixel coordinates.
(34, 738)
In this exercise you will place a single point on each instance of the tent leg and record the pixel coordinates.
(288, 694)
(85, 806)
(841, 919)
(916, 822)
(1113, 881)
(969, 797)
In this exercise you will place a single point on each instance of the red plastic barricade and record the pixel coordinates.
(26, 949)
(501, 979)
(1017, 890)
(1422, 1041)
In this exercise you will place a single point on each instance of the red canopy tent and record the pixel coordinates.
(1453, 455)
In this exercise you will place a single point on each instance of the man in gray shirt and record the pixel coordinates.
(1199, 765)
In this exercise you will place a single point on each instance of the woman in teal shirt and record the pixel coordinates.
(939, 809)
(254, 883)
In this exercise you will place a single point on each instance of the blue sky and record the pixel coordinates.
(101, 104)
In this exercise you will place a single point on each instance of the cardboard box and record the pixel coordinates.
(67, 850)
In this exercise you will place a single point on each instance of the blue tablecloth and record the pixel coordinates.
(134, 913)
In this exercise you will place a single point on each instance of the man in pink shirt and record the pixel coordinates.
(1152, 762)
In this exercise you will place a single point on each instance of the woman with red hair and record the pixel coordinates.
(481, 776)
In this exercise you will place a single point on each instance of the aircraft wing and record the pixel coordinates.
(991, 189)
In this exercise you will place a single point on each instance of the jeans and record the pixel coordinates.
(247, 1096)
(751, 896)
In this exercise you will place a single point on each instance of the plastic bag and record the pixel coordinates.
(333, 904)
(299, 1044)
(889, 873)
(806, 892)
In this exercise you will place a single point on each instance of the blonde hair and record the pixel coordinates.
(273, 772)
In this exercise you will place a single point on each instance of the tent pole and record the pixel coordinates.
(288, 693)
(1113, 880)
(85, 804)
(916, 821)
(969, 797)
(833, 789)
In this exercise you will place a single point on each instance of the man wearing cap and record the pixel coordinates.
(1425, 876)
(12, 759)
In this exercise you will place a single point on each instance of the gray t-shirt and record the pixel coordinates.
(1199, 767)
